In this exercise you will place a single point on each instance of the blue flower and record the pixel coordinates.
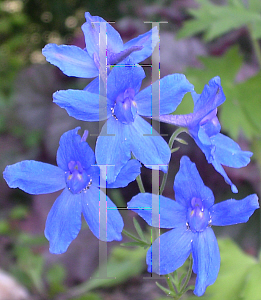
(85, 63)
(204, 127)
(79, 178)
(125, 130)
(191, 217)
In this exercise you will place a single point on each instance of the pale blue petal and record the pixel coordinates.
(188, 184)
(169, 251)
(83, 105)
(171, 213)
(113, 148)
(91, 211)
(228, 152)
(147, 40)
(127, 174)
(206, 259)
(233, 211)
(122, 78)
(71, 60)
(148, 146)
(172, 90)
(72, 147)
(34, 177)
(64, 221)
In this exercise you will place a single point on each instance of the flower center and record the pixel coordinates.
(198, 217)
(210, 123)
(76, 178)
(125, 108)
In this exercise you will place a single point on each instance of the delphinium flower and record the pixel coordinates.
(190, 217)
(125, 130)
(79, 178)
(204, 127)
(85, 63)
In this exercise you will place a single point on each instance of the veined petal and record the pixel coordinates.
(169, 251)
(73, 147)
(91, 30)
(233, 211)
(127, 174)
(172, 89)
(123, 77)
(206, 259)
(34, 177)
(113, 148)
(113, 223)
(188, 184)
(143, 137)
(171, 213)
(64, 221)
(228, 152)
(147, 40)
(83, 105)
(71, 60)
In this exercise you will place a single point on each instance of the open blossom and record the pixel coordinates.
(203, 125)
(190, 218)
(79, 178)
(85, 63)
(125, 130)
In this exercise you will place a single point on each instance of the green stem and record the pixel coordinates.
(255, 45)
(140, 184)
(183, 288)
(171, 142)
(170, 285)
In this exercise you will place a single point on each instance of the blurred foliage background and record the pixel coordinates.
(202, 39)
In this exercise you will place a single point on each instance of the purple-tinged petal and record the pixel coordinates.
(148, 146)
(188, 185)
(91, 30)
(64, 221)
(113, 148)
(74, 148)
(172, 90)
(169, 251)
(178, 120)
(122, 78)
(34, 177)
(127, 174)
(233, 211)
(228, 152)
(206, 259)
(83, 105)
(71, 60)
(171, 213)
(148, 41)
(91, 211)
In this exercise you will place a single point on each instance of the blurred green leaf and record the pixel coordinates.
(251, 288)
(19, 212)
(55, 277)
(89, 296)
(216, 20)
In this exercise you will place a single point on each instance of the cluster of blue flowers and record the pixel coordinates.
(114, 96)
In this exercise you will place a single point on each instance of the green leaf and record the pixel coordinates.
(138, 229)
(216, 20)
(165, 290)
(251, 288)
(55, 277)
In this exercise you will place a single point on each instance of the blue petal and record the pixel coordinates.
(206, 259)
(123, 77)
(188, 184)
(64, 221)
(147, 40)
(113, 148)
(91, 30)
(71, 60)
(171, 213)
(212, 96)
(93, 86)
(228, 152)
(74, 148)
(169, 251)
(143, 137)
(127, 174)
(83, 105)
(91, 211)
(233, 211)
(172, 90)
(34, 177)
